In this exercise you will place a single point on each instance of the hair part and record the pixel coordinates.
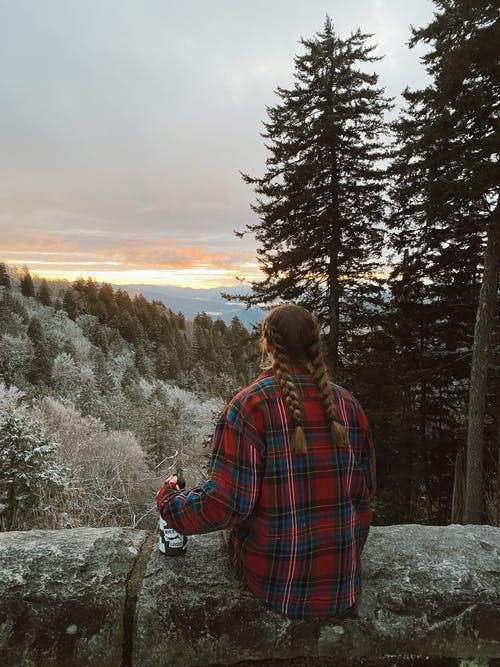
(293, 334)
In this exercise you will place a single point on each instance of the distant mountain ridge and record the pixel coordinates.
(191, 301)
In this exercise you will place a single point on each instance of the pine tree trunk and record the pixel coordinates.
(498, 454)
(409, 488)
(479, 373)
(334, 298)
(11, 508)
(424, 449)
(333, 267)
(458, 498)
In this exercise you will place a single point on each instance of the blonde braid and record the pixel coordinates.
(281, 370)
(322, 380)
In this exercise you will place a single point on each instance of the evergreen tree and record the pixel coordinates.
(143, 359)
(447, 198)
(119, 411)
(43, 293)
(422, 399)
(26, 283)
(4, 276)
(91, 294)
(103, 378)
(127, 326)
(130, 385)
(69, 303)
(16, 358)
(107, 298)
(203, 344)
(243, 352)
(180, 321)
(179, 343)
(89, 399)
(65, 375)
(26, 472)
(6, 309)
(41, 366)
(167, 363)
(321, 199)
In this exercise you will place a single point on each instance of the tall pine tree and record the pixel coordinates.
(321, 200)
(447, 217)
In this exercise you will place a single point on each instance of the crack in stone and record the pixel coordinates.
(132, 589)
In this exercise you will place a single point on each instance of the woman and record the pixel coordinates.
(292, 475)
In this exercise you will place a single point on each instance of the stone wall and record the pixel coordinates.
(107, 597)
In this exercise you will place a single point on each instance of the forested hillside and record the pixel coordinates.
(100, 393)
(388, 230)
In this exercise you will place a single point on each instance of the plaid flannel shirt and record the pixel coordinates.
(297, 522)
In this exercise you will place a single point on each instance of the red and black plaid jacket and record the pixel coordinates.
(297, 522)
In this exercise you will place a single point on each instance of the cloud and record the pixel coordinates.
(52, 256)
(22, 242)
(125, 124)
(168, 256)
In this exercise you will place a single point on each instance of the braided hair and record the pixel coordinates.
(293, 336)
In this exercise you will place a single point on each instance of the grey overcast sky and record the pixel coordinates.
(124, 125)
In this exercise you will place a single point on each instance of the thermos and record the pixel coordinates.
(172, 543)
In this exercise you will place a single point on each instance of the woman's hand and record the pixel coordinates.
(172, 482)
(175, 482)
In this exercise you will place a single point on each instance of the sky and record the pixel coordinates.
(125, 124)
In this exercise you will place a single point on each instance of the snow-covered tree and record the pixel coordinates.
(16, 356)
(29, 476)
(11, 401)
(65, 375)
(106, 469)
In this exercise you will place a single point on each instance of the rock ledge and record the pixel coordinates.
(107, 597)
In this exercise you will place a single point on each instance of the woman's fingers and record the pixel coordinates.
(172, 482)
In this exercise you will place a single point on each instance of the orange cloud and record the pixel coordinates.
(165, 262)
(166, 255)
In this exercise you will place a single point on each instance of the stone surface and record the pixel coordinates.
(62, 596)
(428, 591)
(107, 597)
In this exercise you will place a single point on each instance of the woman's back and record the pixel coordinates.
(300, 548)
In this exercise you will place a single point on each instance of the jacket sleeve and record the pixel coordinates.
(233, 487)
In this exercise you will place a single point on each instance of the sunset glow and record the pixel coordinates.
(196, 276)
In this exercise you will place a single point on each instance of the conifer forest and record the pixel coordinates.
(384, 221)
